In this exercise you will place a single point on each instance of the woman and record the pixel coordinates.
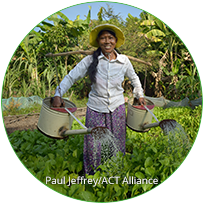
(106, 105)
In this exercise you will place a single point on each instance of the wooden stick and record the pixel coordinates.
(138, 60)
(86, 52)
(89, 52)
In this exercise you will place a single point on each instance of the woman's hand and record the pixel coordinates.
(57, 102)
(142, 101)
(126, 99)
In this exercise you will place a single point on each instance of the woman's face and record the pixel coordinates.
(107, 42)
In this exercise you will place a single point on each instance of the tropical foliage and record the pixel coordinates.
(173, 73)
(149, 155)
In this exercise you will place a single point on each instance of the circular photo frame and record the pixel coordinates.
(147, 125)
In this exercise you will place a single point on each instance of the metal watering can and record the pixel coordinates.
(139, 117)
(57, 122)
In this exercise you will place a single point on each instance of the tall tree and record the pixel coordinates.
(162, 42)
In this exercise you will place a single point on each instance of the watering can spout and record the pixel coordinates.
(96, 132)
(151, 125)
(166, 125)
(65, 132)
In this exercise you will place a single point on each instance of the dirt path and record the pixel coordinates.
(29, 121)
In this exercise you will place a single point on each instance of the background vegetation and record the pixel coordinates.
(173, 73)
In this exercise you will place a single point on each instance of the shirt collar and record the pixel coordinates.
(118, 58)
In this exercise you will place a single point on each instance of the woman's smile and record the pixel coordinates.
(107, 42)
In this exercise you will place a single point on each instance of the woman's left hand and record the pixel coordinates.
(142, 101)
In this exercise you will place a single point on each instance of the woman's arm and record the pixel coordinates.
(79, 71)
(135, 81)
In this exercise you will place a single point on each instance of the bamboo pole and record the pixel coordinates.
(88, 52)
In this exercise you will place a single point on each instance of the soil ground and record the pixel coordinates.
(29, 121)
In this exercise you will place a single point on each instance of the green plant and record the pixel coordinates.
(189, 83)
(49, 74)
(13, 106)
(12, 76)
(24, 90)
(149, 157)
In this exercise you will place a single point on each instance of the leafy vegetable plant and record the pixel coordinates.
(149, 156)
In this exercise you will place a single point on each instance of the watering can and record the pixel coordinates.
(139, 117)
(57, 122)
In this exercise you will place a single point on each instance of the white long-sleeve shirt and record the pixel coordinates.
(107, 93)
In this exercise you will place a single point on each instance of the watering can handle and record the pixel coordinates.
(151, 113)
(75, 118)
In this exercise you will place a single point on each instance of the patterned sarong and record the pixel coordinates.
(116, 122)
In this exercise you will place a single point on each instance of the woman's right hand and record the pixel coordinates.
(57, 102)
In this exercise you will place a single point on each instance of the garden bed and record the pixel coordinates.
(149, 155)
